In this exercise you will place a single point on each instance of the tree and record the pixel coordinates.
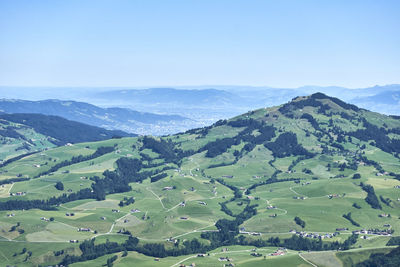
(60, 186)
(300, 222)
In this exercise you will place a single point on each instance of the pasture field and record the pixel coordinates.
(238, 255)
(181, 192)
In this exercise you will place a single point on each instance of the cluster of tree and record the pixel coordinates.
(294, 162)
(386, 201)
(222, 164)
(126, 201)
(378, 135)
(286, 145)
(220, 146)
(62, 130)
(394, 241)
(288, 108)
(395, 175)
(381, 259)
(311, 120)
(13, 180)
(346, 116)
(24, 145)
(312, 101)
(335, 100)
(92, 251)
(266, 132)
(371, 163)
(236, 191)
(5, 163)
(228, 229)
(58, 252)
(157, 177)
(59, 186)
(348, 217)
(371, 198)
(300, 222)
(337, 145)
(111, 260)
(99, 152)
(10, 132)
(299, 243)
(355, 205)
(127, 171)
(271, 180)
(164, 148)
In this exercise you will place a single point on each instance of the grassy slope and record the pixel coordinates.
(161, 208)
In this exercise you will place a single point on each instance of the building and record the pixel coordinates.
(84, 230)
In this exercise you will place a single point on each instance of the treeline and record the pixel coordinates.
(378, 135)
(220, 146)
(348, 217)
(77, 159)
(236, 191)
(226, 235)
(48, 204)
(128, 170)
(10, 132)
(92, 251)
(4, 163)
(335, 100)
(371, 198)
(311, 120)
(157, 177)
(386, 201)
(299, 222)
(126, 201)
(394, 241)
(312, 101)
(380, 259)
(228, 229)
(271, 180)
(300, 243)
(62, 130)
(162, 147)
(13, 180)
(286, 145)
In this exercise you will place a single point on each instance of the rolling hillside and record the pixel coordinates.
(314, 174)
(25, 133)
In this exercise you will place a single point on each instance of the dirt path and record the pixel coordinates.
(162, 204)
(191, 257)
(309, 262)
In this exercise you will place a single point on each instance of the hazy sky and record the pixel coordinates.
(150, 43)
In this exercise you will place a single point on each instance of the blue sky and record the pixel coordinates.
(154, 43)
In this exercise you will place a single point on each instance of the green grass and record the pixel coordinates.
(160, 215)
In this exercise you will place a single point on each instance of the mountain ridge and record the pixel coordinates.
(112, 118)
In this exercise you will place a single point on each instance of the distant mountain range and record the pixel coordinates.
(109, 118)
(196, 106)
(205, 104)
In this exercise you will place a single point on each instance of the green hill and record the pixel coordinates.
(24, 133)
(303, 175)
